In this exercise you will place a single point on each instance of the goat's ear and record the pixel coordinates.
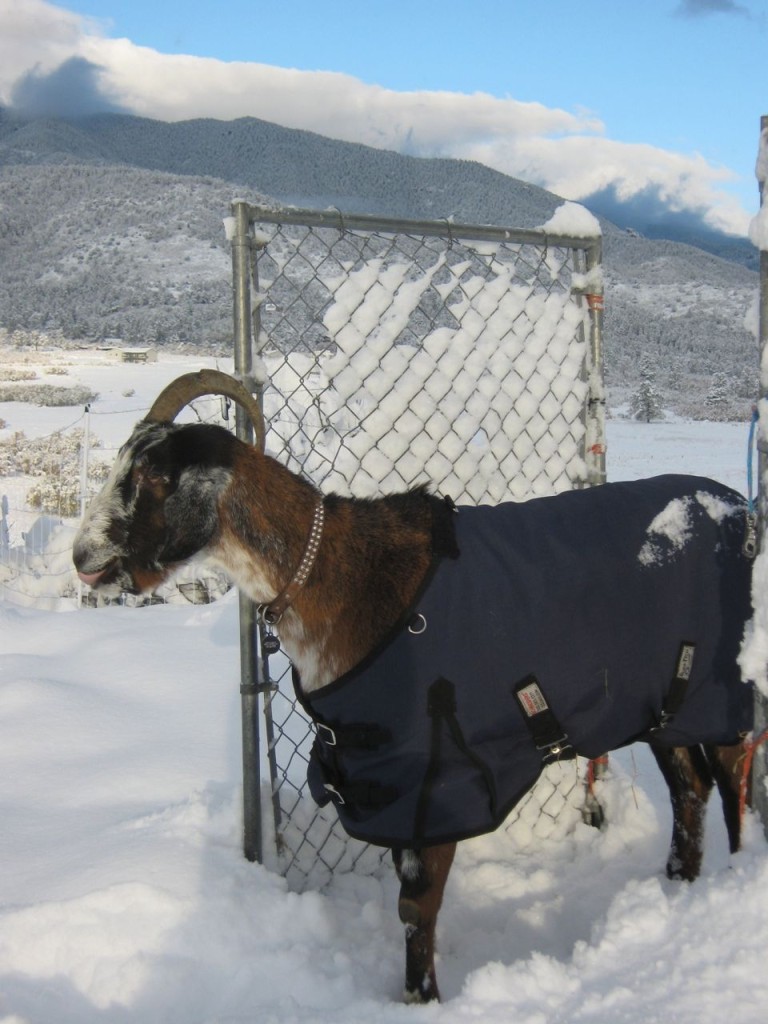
(192, 512)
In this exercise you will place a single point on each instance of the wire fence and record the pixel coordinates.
(35, 535)
(386, 354)
(394, 353)
(46, 481)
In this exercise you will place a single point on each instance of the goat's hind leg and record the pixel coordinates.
(422, 874)
(689, 777)
(727, 764)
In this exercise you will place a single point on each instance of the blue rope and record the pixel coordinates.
(751, 459)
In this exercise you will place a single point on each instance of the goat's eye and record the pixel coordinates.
(145, 473)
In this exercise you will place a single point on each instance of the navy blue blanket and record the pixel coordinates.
(568, 624)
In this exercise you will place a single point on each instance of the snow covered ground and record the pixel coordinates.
(124, 896)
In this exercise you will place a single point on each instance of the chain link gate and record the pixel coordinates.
(391, 353)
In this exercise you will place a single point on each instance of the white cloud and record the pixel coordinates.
(580, 166)
(563, 151)
(34, 34)
(174, 87)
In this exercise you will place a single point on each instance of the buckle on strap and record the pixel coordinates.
(326, 736)
(334, 793)
(361, 796)
(358, 737)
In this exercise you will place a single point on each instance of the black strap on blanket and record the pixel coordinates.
(548, 735)
(678, 687)
(441, 707)
(331, 742)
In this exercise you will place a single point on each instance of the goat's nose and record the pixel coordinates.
(79, 555)
(91, 578)
(84, 561)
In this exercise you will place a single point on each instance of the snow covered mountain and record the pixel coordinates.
(110, 226)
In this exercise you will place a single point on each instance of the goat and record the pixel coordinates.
(359, 584)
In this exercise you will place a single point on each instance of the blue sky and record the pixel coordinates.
(656, 103)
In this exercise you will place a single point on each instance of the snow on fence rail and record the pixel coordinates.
(389, 353)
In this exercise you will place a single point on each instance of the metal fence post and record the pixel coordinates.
(595, 444)
(84, 456)
(251, 671)
(760, 761)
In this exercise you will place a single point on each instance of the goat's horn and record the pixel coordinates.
(180, 392)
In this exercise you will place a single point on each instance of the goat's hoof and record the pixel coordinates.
(425, 994)
(677, 871)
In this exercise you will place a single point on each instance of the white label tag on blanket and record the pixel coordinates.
(685, 661)
(532, 700)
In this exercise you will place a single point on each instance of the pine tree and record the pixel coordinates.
(645, 403)
(720, 391)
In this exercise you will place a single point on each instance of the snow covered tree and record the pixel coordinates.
(720, 392)
(645, 403)
(54, 462)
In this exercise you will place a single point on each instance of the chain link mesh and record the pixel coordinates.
(392, 359)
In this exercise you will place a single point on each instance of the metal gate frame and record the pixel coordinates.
(760, 759)
(587, 254)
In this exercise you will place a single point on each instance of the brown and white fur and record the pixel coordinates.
(180, 491)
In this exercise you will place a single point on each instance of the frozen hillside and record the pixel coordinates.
(133, 246)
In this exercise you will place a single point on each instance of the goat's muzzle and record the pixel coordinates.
(95, 576)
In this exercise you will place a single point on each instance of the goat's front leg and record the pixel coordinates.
(422, 874)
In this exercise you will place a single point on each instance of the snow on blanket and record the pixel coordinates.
(675, 523)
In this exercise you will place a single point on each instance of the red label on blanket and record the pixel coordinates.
(532, 699)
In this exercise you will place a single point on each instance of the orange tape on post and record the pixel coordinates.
(750, 749)
(592, 770)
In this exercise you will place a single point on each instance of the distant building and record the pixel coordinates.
(138, 355)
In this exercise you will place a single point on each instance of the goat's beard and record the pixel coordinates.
(145, 581)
